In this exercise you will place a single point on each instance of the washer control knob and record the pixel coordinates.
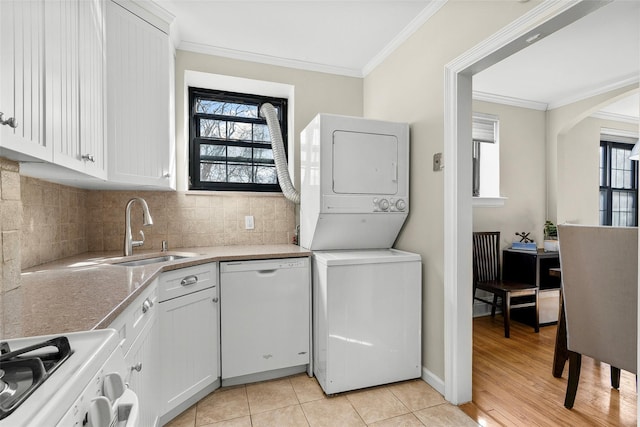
(383, 204)
(401, 205)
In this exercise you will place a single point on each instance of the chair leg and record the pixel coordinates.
(537, 325)
(495, 303)
(575, 360)
(506, 312)
(615, 377)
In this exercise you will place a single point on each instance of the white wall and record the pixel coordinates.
(409, 86)
(522, 174)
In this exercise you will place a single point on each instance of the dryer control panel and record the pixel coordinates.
(389, 205)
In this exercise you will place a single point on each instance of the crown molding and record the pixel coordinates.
(508, 100)
(411, 28)
(596, 89)
(604, 115)
(267, 59)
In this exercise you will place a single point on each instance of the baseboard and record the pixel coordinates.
(433, 380)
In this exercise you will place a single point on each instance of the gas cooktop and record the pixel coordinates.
(24, 369)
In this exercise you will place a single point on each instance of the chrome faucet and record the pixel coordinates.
(129, 243)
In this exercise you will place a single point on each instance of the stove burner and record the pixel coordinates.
(24, 370)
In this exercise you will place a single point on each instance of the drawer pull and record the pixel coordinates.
(137, 367)
(146, 305)
(189, 280)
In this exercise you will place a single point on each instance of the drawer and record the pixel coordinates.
(133, 319)
(184, 281)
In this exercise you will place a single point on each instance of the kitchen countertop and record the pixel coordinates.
(88, 291)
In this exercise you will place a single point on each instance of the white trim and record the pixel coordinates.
(411, 28)
(458, 340)
(433, 380)
(597, 89)
(604, 115)
(507, 100)
(267, 59)
(488, 202)
(619, 132)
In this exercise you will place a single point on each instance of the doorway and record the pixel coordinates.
(547, 18)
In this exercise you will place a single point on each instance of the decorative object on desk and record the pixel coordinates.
(551, 243)
(525, 243)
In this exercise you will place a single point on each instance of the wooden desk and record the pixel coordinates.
(532, 267)
(560, 352)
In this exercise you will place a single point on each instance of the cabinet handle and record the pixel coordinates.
(137, 367)
(215, 300)
(88, 157)
(189, 280)
(11, 121)
(166, 175)
(146, 305)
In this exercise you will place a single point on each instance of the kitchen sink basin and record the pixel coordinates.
(145, 261)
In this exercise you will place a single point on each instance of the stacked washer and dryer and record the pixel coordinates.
(354, 199)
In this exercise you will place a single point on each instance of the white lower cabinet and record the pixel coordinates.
(189, 362)
(139, 331)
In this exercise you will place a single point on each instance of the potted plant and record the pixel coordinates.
(550, 237)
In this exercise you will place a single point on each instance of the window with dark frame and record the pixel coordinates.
(230, 144)
(618, 185)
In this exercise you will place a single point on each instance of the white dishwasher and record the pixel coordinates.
(265, 319)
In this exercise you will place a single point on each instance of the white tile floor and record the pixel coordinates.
(299, 401)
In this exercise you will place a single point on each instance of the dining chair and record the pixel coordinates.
(487, 277)
(600, 291)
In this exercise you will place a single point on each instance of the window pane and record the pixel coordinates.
(263, 155)
(623, 209)
(261, 133)
(239, 154)
(603, 167)
(266, 175)
(239, 131)
(213, 128)
(239, 172)
(621, 168)
(240, 110)
(213, 172)
(207, 106)
(603, 207)
(213, 152)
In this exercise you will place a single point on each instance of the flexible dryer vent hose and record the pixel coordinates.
(268, 111)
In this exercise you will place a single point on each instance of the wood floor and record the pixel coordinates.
(513, 384)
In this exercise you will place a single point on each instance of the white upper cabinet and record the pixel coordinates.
(22, 80)
(139, 111)
(74, 84)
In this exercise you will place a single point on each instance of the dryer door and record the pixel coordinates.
(365, 163)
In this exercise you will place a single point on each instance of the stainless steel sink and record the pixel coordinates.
(145, 261)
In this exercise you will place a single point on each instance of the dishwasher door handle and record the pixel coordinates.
(189, 280)
(270, 272)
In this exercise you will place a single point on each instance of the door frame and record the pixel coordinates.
(548, 17)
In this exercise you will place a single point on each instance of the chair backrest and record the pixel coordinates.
(600, 289)
(486, 256)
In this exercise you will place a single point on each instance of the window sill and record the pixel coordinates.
(488, 202)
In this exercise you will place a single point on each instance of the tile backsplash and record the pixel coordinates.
(61, 221)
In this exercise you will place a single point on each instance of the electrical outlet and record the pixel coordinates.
(248, 222)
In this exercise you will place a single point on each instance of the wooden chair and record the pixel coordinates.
(600, 291)
(486, 277)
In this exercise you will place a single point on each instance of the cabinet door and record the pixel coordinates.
(144, 371)
(75, 84)
(92, 75)
(61, 84)
(138, 103)
(189, 339)
(22, 79)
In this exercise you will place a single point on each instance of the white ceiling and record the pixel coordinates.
(350, 37)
